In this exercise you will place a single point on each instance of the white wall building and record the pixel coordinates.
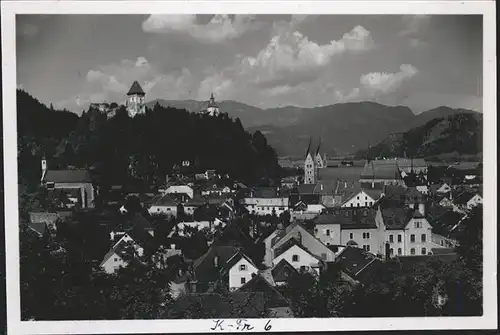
(300, 259)
(264, 206)
(241, 271)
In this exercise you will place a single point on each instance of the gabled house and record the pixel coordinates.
(121, 254)
(275, 302)
(445, 202)
(443, 188)
(299, 257)
(282, 272)
(301, 235)
(240, 270)
(207, 268)
(180, 189)
(164, 205)
(361, 198)
(356, 264)
(468, 200)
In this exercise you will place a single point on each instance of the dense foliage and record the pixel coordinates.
(140, 150)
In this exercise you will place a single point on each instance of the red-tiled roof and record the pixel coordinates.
(136, 89)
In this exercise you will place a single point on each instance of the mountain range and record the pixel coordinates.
(455, 136)
(343, 128)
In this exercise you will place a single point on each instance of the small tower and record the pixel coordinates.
(136, 100)
(309, 167)
(213, 108)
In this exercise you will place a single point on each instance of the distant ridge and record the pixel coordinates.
(345, 127)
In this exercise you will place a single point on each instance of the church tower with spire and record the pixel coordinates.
(136, 100)
(318, 159)
(310, 171)
(213, 108)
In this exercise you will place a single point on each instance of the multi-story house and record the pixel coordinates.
(295, 231)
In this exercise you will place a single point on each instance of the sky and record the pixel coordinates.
(265, 61)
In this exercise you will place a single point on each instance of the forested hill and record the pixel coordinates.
(447, 137)
(149, 145)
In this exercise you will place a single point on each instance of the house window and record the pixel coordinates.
(391, 251)
(243, 280)
(367, 247)
(400, 238)
(351, 236)
(116, 259)
(295, 258)
(366, 198)
(367, 235)
(418, 224)
(357, 198)
(358, 204)
(424, 251)
(243, 267)
(391, 238)
(328, 232)
(423, 237)
(412, 238)
(412, 251)
(399, 251)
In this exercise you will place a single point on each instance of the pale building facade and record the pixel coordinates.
(136, 100)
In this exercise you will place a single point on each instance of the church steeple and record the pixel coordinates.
(310, 172)
(213, 108)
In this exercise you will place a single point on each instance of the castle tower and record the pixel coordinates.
(136, 100)
(309, 167)
(213, 108)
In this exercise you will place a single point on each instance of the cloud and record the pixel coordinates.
(414, 24)
(383, 82)
(291, 54)
(219, 29)
(217, 84)
(27, 30)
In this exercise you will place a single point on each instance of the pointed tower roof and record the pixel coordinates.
(308, 148)
(211, 102)
(319, 146)
(136, 89)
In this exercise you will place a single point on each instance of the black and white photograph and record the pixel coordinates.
(235, 168)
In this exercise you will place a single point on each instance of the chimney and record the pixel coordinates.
(172, 246)
(387, 251)
(112, 235)
(216, 261)
(421, 208)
